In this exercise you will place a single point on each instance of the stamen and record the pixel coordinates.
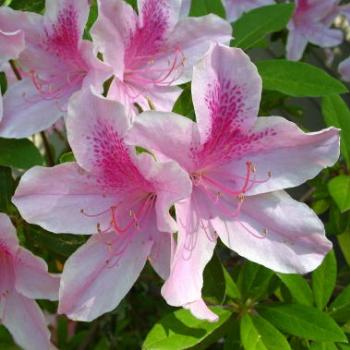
(262, 236)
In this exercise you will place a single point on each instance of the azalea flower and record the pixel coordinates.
(153, 51)
(311, 22)
(55, 63)
(24, 277)
(121, 197)
(235, 8)
(238, 165)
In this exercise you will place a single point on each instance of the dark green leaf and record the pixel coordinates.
(298, 287)
(252, 27)
(25, 5)
(336, 113)
(21, 154)
(184, 105)
(344, 243)
(205, 7)
(323, 346)
(233, 340)
(7, 187)
(303, 321)
(324, 279)
(3, 82)
(259, 334)
(67, 157)
(298, 79)
(180, 330)
(232, 290)
(339, 189)
(340, 308)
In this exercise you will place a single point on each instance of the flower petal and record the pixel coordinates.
(276, 231)
(296, 45)
(168, 133)
(8, 234)
(195, 247)
(320, 34)
(100, 273)
(32, 277)
(283, 155)
(11, 44)
(192, 37)
(201, 311)
(25, 321)
(64, 199)
(344, 69)
(226, 92)
(26, 112)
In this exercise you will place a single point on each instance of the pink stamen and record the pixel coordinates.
(263, 236)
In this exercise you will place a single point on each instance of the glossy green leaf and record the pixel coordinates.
(303, 321)
(340, 308)
(336, 113)
(231, 288)
(259, 334)
(184, 104)
(19, 153)
(298, 79)
(25, 5)
(324, 279)
(214, 281)
(180, 330)
(253, 26)
(344, 243)
(205, 7)
(339, 189)
(298, 287)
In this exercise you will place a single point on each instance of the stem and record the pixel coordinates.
(50, 160)
(15, 70)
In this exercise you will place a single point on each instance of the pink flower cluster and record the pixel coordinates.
(219, 177)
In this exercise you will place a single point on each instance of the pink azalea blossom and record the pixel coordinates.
(235, 161)
(123, 197)
(24, 277)
(235, 8)
(154, 51)
(55, 63)
(311, 22)
(344, 69)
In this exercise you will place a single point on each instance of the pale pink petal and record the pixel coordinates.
(192, 38)
(185, 8)
(235, 8)
(283, 155)
(25, 321)
(64, 199)
(168, 133)
(171, 183)
(296, 44)
(100, 273)
(226, 92)
(115, 23)
(195, 247)
(25, 112)
(32, 277)
(201, 311)
(344, 69)
(276, 231)
(8, 235)
(68, 15)
(320, 34)
(91, 124)
(162, 253)
(11, 44)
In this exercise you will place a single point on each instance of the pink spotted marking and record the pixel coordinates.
(118, 174)
(147, 44)
(6, 270)
(61, 41)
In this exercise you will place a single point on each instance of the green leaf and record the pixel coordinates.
(67, 157)
(25, 5)
(93, 14)
(19, 153)
(298, 79)
(253, 26)
(184, 105)
(233, 339)
(336, 113)
(253, 280)
(303, 321)
(324, 279)
(231, 288)
(298, 287)
(7, 188)
(344, 243)
(180, 330)
(205, 7)
(340, 308)
(259, 334)
(339, 189)
(323, 346)
(214, 282)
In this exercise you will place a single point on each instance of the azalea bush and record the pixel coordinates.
(174, 174)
